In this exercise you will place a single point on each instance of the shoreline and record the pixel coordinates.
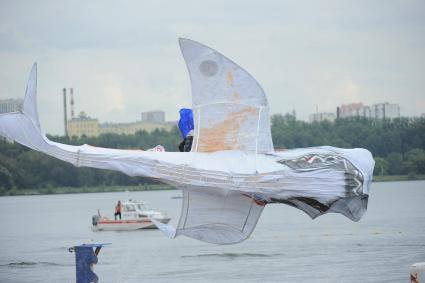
(87, 190)
(393, 178)
(157, 187)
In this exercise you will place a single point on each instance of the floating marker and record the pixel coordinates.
(85, 258)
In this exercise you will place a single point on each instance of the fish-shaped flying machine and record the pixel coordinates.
(232, 171)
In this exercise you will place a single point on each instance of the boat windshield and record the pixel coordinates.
(129, 207)
(143, 206)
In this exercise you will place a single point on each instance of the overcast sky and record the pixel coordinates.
(122, 57)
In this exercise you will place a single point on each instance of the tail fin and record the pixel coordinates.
(24, 126)
(30, 101)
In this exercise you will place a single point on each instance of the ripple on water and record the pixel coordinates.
(23, 264)
(232, 255)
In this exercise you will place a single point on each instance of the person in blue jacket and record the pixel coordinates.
(186, 127)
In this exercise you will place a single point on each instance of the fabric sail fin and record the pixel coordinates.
(230, 108)
(215, 216)
(166, 229)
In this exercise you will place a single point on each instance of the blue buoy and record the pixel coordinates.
(85, 258)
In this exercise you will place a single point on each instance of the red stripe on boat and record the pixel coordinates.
(123, 221)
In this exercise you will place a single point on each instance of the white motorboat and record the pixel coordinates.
(135, 215)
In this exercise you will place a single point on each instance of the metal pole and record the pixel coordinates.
(72, 102)
(65, 117)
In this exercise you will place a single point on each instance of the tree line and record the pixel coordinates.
(398, 147)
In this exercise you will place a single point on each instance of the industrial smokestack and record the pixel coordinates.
(72, 102)
(65, 117)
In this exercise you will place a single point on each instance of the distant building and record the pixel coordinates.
(157, 117)
(376, 111)
(83, 125)
(133, 127)
(10, 105)
(323, 116)
(350, 110)
(385, 111)
(366, 112)
(90, 127)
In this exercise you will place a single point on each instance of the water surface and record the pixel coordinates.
(287, 246)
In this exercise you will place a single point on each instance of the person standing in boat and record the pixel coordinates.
(118, 210)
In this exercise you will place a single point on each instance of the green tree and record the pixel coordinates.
(6, 179)
(395, 163)
(381, 167)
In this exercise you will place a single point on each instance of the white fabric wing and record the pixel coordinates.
(215, 215)
(230, 108)
(218, 216)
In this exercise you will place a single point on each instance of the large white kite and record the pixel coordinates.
(232, 171)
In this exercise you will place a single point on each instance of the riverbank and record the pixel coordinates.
(82, 190)
(392, 178)
(156, 187)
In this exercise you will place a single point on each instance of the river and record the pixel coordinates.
(287, 246)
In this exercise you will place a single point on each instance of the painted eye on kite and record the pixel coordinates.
(208, 68)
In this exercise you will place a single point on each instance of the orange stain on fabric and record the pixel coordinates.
(230, 78)
(224, 135)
